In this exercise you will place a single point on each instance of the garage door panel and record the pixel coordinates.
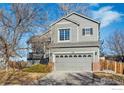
(68, 66)
(74, 63)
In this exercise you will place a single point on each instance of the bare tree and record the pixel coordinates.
(102, 48)
(66, 8)
(20, 21)
(115, 44)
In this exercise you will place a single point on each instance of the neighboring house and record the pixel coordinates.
(74, 43)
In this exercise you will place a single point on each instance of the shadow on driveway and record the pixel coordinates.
(64, 78)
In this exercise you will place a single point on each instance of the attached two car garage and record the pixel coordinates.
(73, 62)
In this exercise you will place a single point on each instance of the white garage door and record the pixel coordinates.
(73, 62)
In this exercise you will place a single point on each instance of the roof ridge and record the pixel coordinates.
(82, 15)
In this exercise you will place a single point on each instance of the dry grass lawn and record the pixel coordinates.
(26, 76)
(18, 78)
(117, 77)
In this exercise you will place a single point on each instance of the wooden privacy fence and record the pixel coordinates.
(117, 67)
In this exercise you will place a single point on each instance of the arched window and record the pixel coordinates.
(61, 56)
(57, 56)
(79, 55)
(66, 56)
(70, 55)
(89, 55)
(75, 55)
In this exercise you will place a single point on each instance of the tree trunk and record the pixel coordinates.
(6, 64)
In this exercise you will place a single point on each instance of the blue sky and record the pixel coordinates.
(111, 16)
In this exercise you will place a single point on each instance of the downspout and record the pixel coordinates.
(78, 33)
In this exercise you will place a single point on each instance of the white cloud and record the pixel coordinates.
(94, 4)
(106, 15)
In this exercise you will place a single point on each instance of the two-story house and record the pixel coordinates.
(74, 43)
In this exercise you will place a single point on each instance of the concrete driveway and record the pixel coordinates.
(74, 78)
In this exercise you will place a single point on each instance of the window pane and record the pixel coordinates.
(70, 55)
(79, 56)
(66, 56)
(67, 34)
(87, 31)
(61, 37)
(64, 34)
(75, 55)
(89, 55)
(61, 34)
(61, 56)
(57, 56)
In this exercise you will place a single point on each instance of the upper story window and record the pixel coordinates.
(64, 34)
(87, 31)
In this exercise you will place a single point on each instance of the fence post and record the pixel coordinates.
(115, 67)
(121, 68)
(107, 64)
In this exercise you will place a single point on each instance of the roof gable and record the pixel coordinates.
(81, 15)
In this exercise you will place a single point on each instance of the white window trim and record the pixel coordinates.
(59, 34)
(87, 34)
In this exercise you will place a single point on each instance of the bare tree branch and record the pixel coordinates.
(20, 20)
(115, 44)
